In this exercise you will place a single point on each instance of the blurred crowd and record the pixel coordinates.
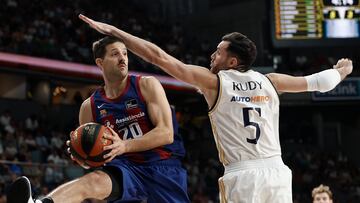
(52, 29)
(311, 167)
(29, 148)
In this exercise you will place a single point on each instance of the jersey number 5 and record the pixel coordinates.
(247, 122)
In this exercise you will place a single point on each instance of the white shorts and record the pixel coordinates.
(256, 181)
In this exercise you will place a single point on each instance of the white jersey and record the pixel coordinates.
(245, 117)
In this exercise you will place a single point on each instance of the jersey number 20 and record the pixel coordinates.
(134, 129)
(247, 122)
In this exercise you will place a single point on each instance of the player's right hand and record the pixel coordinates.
(103, 28)
(117, 147)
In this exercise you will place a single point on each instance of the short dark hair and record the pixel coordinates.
(99, 47)
(243, 48)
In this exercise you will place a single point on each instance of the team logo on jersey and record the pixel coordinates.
(103, 112)
(130, 118)
(107, 123)
(252, 99)
(130, 104)
(99, 106)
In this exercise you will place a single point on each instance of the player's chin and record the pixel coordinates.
(123, 70)
(211, 65)
(214, 70)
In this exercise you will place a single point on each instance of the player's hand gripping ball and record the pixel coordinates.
(87, 143)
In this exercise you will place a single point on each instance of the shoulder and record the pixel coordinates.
(273, 77)
(148, 79)
(148, 82)
(86, 103)
(150, 87)
(86, 114)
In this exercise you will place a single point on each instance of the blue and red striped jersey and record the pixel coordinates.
(128, 116)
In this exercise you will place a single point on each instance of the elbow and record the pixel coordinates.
(169, 136)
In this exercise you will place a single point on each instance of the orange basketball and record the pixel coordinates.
(87, 142)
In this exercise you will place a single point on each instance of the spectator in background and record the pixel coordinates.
(31, 123)
(1, 144)
(42, 143)
(56, 141)
(30, 141)
(322, 194)
(5, 118)
(6, 122)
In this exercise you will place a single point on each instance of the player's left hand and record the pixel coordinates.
(345, 65)
(103, 28)
(116, 148)
(85, 166)
(68, 147)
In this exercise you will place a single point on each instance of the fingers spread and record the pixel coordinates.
(113, 131)
(112, 146)
(110, 154)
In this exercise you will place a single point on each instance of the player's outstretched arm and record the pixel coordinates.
(199, 77)
(322, 81)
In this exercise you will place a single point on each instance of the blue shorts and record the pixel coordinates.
(157, 182)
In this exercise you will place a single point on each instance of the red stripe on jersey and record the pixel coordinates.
(137, 84)
(93, 108)
(135, 157)
(162, 153)
(144, 125)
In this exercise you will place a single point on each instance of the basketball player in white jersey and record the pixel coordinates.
(243, 109)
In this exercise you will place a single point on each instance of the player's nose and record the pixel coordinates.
(212, 56)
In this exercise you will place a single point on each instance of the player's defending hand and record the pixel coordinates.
(344, 66)
(116, 148)
(103, 28)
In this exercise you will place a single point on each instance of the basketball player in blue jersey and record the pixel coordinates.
(243, 110)
(144, 160)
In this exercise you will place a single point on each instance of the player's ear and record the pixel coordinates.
(99, 62)
(233, 62)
